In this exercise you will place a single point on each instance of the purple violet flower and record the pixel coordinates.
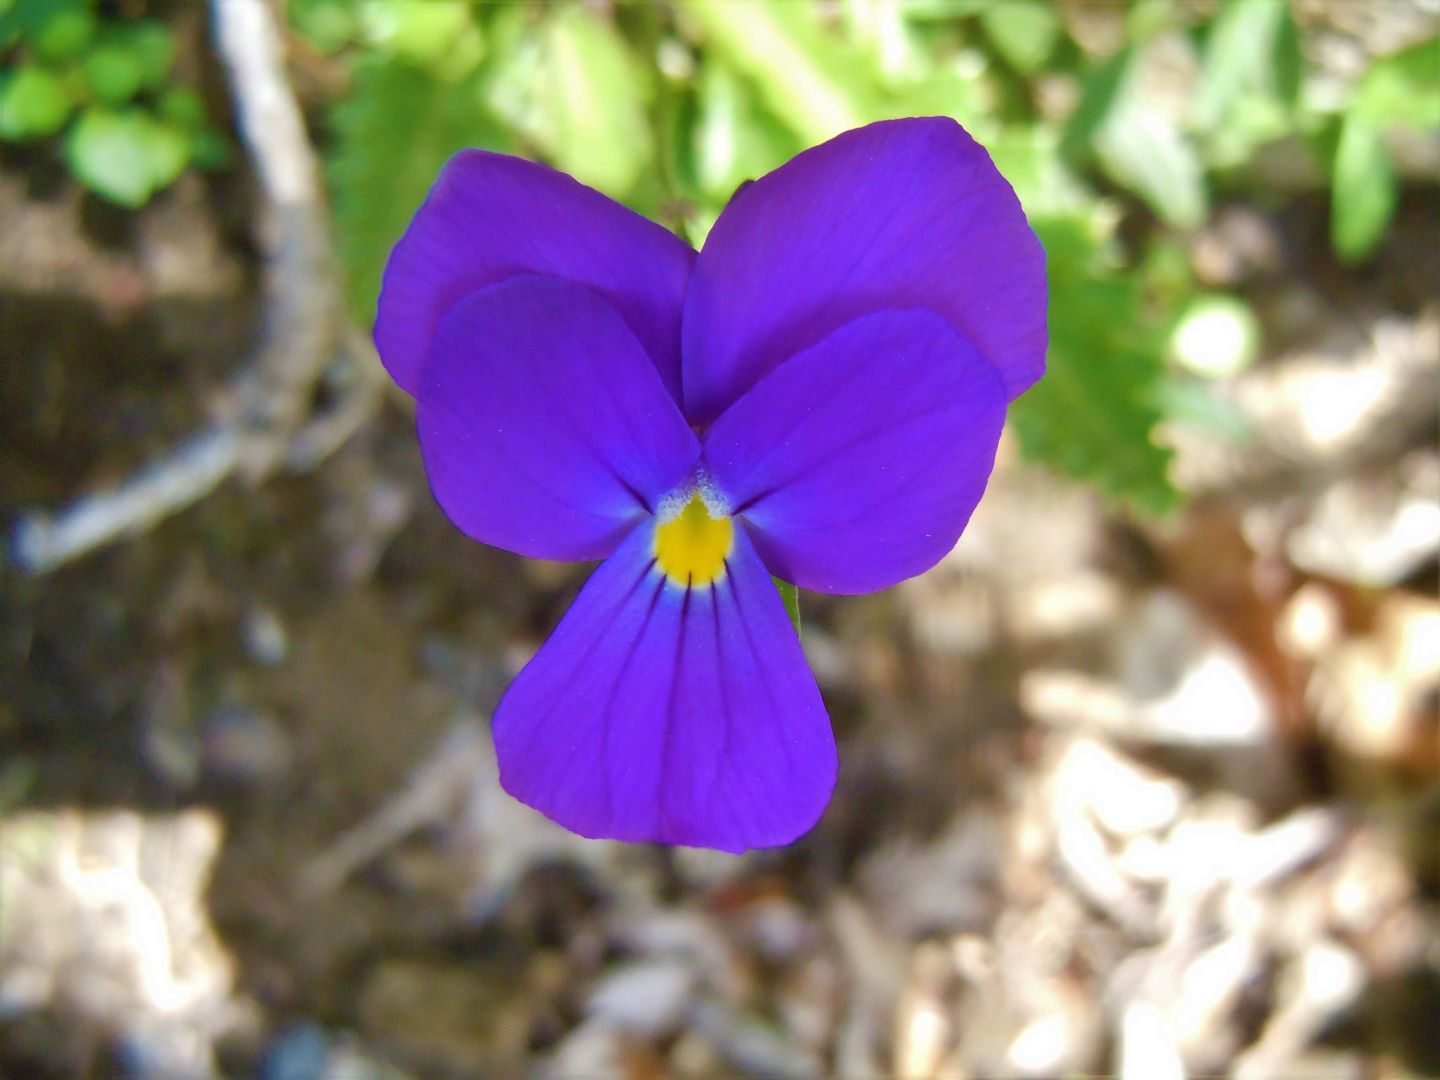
(816, 395)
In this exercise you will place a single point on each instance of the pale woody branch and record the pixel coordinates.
(304, 329)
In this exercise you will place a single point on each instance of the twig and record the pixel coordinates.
(326, 432)
(304, 329)
(303, 313)
(41, 543)
(434, 792)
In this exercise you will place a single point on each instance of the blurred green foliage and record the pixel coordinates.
(1119, 124)
(104, 84)
(1098, 114)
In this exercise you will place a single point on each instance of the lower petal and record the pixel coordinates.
(678, 715)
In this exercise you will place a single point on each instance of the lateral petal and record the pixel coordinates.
(674, 715)
(491, 216)
(902, 213)
(544, 427)
(857, 463)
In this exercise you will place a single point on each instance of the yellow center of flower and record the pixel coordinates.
(692, 547)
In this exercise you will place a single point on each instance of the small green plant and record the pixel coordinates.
(104, 87)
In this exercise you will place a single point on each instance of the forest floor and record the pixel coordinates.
(1150, 799)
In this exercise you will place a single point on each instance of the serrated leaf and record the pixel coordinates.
(34, 102)
(1093, 416)
(1364, 191)
(392, 135)
(125, 156)
(1024, 32)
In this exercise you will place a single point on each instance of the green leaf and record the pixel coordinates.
(1195, 404)
(125, 156)
(1134, 143)
(790, 596)
(127, 59)
(183, 107)
(1102, 88)
(943, 10)
(570, 85)
(152, 45)
(392, 134)
(1094, 414)
(1141, 149)
(440, 33)
(734, 139)
(1402, 88)
(882, 29)
(209, 149)
(113, 72)
(1024, 32)
(1364, 190)
(57, 30)
(1251, 55)
(9, 24)
(806, 77)
(33, 103)
(1029, 158)
(328, 25)
(593, 106)
(1249, 81)
(964, 92)
(1148, 19)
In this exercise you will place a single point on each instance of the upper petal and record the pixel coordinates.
(857, 463)
(491, 216)
(902, 213)
(544, 426)
(660, 713)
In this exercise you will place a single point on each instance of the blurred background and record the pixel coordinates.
(1142, 779)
